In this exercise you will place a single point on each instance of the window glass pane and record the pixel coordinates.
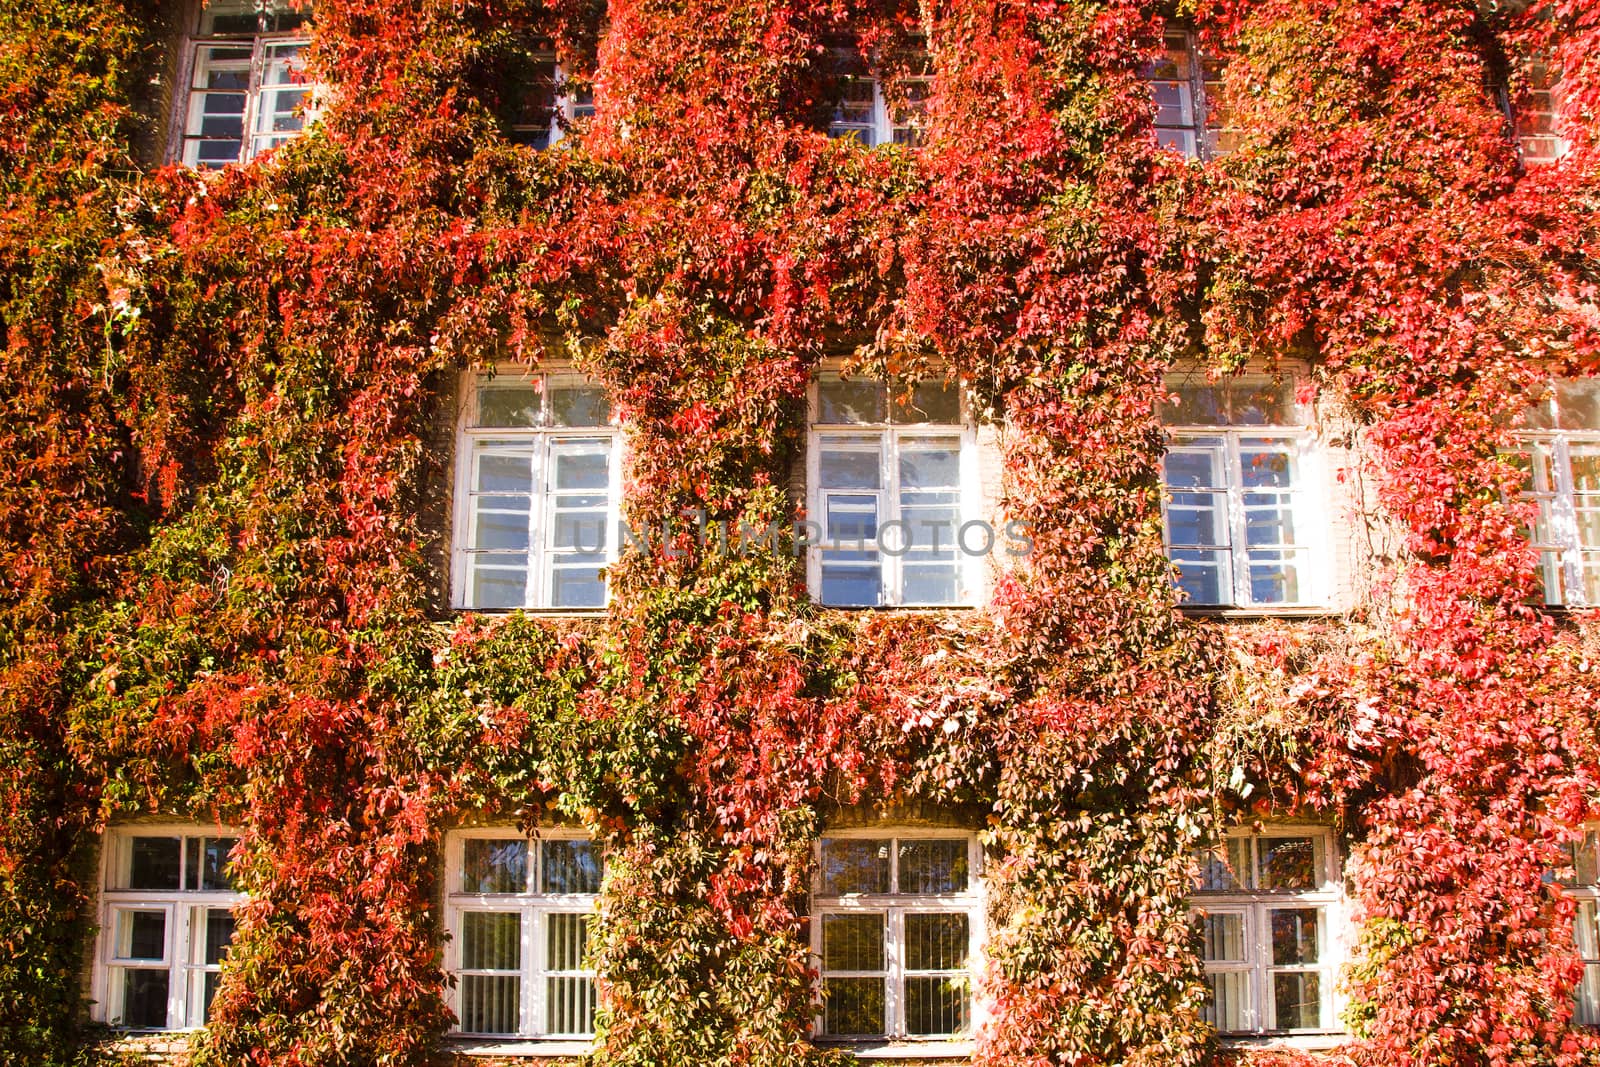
(214, 935)
(851, 586)
(569, 1005)
(1588, 1010)
(924, 584)
(1223, 867)
(154, 863)
(1289, 863)
(854, 865)
(141, 935)
(852, 1007)
(579, 405)
(490, 1004)
(504, 472)
(930, 465)
(926, 402)
(936, 941)
(571, 867)
(1222, 937)
(583, 465)
(1578, 403)
(508, 405)
(1586, 861)
(1585, 936)
(1229, 1006)
(852, 942)
(208, 867)
(936, 1005)
(1274, 577)
(501, 522)
(933, 866)
(566, 941)
(854, 469)
(840, 402)
(219, 17)
(1266, 464)
(850, 520)
(578, 587)
(1194, 403)
(210, 982)
(491, 941)
(1294, 936)
(1263, 402)
(494, 865)
(529, 103)
(1297, 1001)
(1204, 576)
(1195, 463)
(285, 94)
(144, 999)
(499, 582)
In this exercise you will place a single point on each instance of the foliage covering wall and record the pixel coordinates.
(214, 584)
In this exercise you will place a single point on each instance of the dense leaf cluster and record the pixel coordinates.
(216, 598)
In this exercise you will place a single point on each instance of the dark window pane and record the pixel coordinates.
(154, 862)
(936, 942)
(219, 930)
(494, 865)
(1289, 863)
(852, 942)
(1297, 999)
(1294, 936)
(854, 865)
(571, 867)
(144, 1000)
(933, 866)
(207, 864)
(936, 1006)
(852, 1007)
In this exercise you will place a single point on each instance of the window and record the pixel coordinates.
(166, 925)
(1268, 909)
(1535, 119)
(519, 914)
(538, 488)
(897, 928)
(890, 467)
(1583, 886)
(247, 91)
(545, 105)
(866, 113)
(1560, 459)
(1238, 484)
(1184, 83)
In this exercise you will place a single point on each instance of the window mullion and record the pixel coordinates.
(894, 963)
(532, 968)
(539, 578)
(1239, 553)
(889, 510)
(1564, 519)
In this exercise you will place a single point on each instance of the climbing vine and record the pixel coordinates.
(219, 595)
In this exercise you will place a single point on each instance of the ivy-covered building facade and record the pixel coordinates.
(676, 532)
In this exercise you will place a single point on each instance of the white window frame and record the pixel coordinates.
(1256, 905)
(1561, 556)
(535, 908)
(568, 108)
(1308, 501)
(181, 907)
(1519, 111)
(261, 43)
(539, 439)
(890, 436)
(895, 907)
(1586, 898)
(882, 129)
(1201, 139)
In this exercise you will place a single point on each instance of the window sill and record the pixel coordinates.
(1245, 614)
(537, 613)
(530, 1048)
(1298, 1042)
(902, 1050)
